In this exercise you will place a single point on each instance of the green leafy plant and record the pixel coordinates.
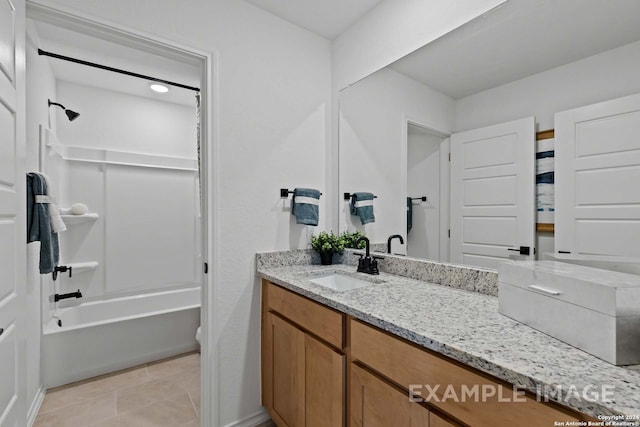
(350, 240)
(327, 243)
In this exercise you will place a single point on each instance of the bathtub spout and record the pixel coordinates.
(58, 297)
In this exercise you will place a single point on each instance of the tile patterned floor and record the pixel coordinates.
(158, 394)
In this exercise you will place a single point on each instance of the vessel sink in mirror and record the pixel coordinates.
(434, 124)
(342, 282)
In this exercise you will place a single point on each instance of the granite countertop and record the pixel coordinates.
(467, 327)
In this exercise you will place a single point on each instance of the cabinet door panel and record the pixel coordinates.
(288, 372)
(324, 385)
(436, 421)
(374, 403)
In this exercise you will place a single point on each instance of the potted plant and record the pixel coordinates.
(350, 240)
(326, 245)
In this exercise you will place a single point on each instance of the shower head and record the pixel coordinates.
(71, 115)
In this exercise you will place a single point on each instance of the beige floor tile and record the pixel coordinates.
(195, 399)
(144, 394)
(110, 422)
(167, 413)
(80, 414)
(158, 394)
(188, 380)
(167, 368)
(88, 389)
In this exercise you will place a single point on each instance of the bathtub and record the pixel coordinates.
(613, 263)
(103, 336)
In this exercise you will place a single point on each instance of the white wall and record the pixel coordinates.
(118, 121)
(373, 117)
(604, 76)
(394, 29)
(423, 179)
(40, 85)
(274, 91)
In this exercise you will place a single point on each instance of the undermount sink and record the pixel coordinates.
(341, 282)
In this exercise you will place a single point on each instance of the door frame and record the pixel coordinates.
(209, 144)
(444, 176)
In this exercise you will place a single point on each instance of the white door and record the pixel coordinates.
(597, 178)
(12, 214)
(493, 194)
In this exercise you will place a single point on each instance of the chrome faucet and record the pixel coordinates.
(391, 238)
(367, 264)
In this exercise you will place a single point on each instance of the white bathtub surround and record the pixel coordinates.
(103, 336)
(132, 240)
(595, 310)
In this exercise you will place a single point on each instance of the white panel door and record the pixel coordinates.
(493, 194)
(12, 214)
(597, 178)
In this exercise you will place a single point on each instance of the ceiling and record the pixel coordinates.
(519, 39)
(328, 18)
(81, 46)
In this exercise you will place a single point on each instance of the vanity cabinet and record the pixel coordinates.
(323, 368)
(303, 363)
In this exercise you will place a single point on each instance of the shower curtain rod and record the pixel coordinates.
(115, 70)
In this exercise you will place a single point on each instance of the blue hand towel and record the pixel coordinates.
(39, 223)
(362, 205)
(305, 206)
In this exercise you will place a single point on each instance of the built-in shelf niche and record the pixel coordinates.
(78, 219)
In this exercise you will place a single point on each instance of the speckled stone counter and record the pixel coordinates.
(456, 276)
(467, 327)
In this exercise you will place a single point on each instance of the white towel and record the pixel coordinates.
(57, 224)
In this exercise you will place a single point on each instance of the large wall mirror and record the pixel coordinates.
(445, 137)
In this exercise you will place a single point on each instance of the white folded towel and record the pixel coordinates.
(57, 224)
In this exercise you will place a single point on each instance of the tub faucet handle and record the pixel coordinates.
(61, 269)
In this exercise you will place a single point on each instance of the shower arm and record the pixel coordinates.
(56, 103)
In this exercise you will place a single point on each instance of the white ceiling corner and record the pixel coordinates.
(328, 18)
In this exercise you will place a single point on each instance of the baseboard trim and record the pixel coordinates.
(253, 420)
(35, 406)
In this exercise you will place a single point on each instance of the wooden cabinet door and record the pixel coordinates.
(288, 376)
(324, 385)
(374, 403)
(436, 421)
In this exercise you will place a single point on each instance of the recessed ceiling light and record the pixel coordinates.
(159, 88)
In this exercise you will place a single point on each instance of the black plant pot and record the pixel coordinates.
(326, 258)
